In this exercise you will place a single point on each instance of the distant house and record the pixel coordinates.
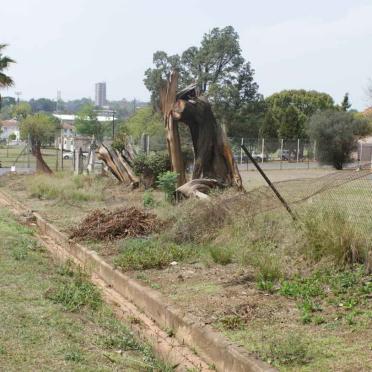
(9, 127)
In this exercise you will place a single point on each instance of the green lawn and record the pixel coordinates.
(52, 318)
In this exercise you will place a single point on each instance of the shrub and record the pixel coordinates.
(167, 182)
(331, 233)
(149, 167)
(336, 134)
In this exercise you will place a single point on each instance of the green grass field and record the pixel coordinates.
(53, 319)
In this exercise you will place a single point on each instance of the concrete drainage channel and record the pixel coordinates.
(194, 346)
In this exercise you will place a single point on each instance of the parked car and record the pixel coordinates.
(259, 157)
(70, 155)
(286, 155)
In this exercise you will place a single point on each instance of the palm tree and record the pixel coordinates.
(5, 80)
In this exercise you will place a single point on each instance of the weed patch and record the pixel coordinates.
(292, 350)
(75, 291)
(142, 254)
(221, 254)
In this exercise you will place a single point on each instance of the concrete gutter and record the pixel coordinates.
(211, 346)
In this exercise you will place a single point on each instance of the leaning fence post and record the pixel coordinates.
(273, 188)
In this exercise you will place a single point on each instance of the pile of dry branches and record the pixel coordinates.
(121, 223)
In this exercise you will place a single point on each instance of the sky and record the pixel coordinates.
(70, 45)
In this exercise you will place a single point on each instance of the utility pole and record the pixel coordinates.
(17, 94)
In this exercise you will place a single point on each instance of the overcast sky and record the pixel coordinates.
(71, 44)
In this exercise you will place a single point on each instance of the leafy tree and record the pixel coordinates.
(86, 123)
(292, 109)
(345, 104)
(40, 128)
(144, 121)
(218, 69)
(21, 110)
(336, 134)
(5, 80)
(42, 104)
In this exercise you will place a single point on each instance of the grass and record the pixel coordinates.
(142, 254)
(70, 330)
(310, 278)
(66, 188)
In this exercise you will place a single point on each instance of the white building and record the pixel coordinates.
(9, 127)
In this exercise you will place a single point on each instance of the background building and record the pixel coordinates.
(100, 97)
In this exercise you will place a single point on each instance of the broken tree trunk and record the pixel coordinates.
(118, 165)
(167, 99)
(213, 158)
(213, 155)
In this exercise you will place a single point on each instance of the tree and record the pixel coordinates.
(345, 104)
(292, 109)
(218, 70)
(5, 80)
(40, 129)
(86, 123)
(336, 134)
(21, 110)
(42, 104)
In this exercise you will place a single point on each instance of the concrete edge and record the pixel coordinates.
(212, 346)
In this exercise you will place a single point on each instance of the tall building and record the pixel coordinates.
(100, 99)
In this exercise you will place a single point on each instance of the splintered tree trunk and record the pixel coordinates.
(213, 155)
(41, 165)
(118, 164)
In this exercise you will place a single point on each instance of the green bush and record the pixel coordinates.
(149, 167)
(167, 182)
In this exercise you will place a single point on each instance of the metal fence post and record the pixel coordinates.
(281, 153)
(241, 151)
(298, 149)
(361, 153)
(314, 150)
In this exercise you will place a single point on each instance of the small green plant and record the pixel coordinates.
(148, 199)
(221, 254)
(75, 291)
(167, 182)
(73, 356)
(232, 322)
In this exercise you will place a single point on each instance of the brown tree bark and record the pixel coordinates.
(41, 165)
(118, 164)
(213, 155)
(213, 158)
